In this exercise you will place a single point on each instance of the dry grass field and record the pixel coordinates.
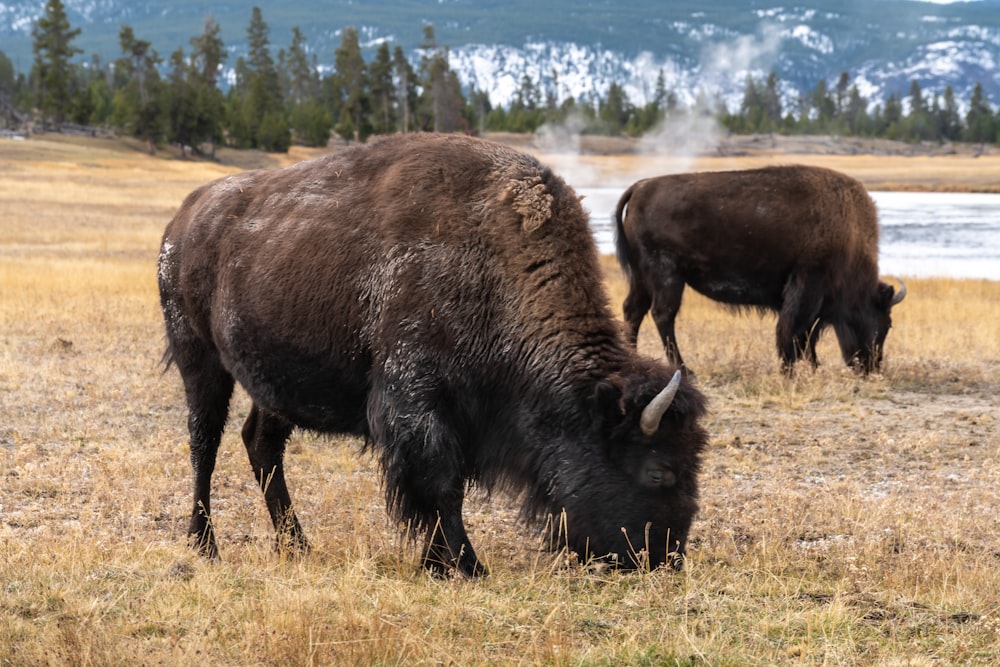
(844, 521)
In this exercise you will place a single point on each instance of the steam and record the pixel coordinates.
(562, 146)
(730, 62)
(688, 131)
(691, 129)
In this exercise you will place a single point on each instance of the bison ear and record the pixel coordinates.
(529, 198)
(607, 405)
(885, 295)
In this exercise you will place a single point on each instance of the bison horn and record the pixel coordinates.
(653, 413)
(901, 294)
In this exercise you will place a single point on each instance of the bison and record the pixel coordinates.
(797, 240)
(439, 296)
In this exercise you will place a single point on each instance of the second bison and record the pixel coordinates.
(797, 240)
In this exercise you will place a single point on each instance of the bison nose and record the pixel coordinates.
(658, 476)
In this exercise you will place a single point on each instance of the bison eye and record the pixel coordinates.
(658, 476)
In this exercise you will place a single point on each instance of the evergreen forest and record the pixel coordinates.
(273, 97)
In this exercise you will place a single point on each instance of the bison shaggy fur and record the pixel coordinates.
(441, 297)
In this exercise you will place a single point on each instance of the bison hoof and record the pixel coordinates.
(442, 569)
(205, 546)
(291, 545)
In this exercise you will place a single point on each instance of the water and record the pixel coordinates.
(947, 234)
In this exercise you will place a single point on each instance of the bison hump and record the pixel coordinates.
(529, 198)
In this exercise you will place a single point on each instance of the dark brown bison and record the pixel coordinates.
(800, 241)
(441, 297)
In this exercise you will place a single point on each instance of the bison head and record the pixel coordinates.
(862, 339)
(634, 503)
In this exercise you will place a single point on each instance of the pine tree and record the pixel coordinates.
(351, 86)
(303, 82)
(751, 109)
(772, 102)
(653, 112)
(208, 53)
(7, 85)
(52, 73)
(919, 124)
(843, 85)
(383, 91)
(139, 100)
(310, 120)
(528, 97)
(479, 108)
(207, 57)
(552, 93)
(260, 63)
(858, 121)
(615, 110)
(892, 116)
(823, 105)
(406, 88)
(93, 102)
(442, 103)
(949, 122)
(182, 103)
(661, 95)
(256, 113)
(980, 126)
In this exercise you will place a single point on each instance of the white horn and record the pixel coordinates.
(901, 294)
(653, 413)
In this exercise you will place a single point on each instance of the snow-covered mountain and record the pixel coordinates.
(577, 48)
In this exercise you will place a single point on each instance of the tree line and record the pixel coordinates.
(274, 99)
(917, 116)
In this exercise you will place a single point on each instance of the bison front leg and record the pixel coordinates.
(432, 490)
(798, 321)
(264, 435)
(447, 546)
(425, 480)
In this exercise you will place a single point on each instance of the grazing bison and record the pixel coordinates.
(800, 241)
(441, 297)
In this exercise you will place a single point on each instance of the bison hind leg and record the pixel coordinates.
(666, 304)
(264, 436)
(208, 388)
(635, 307)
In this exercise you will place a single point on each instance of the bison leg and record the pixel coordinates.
(264, 435)
(798, 320)
(424, 476)
(208, 388)
(636, 306)
(448, 545)
(668, 292)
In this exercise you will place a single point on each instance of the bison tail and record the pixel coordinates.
(622, 248)
(167, 360)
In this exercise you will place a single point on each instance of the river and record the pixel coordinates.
(923, 234)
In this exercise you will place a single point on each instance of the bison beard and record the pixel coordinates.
(441, 297)
(799, 241)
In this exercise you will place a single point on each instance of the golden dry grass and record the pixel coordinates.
(844, 521)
